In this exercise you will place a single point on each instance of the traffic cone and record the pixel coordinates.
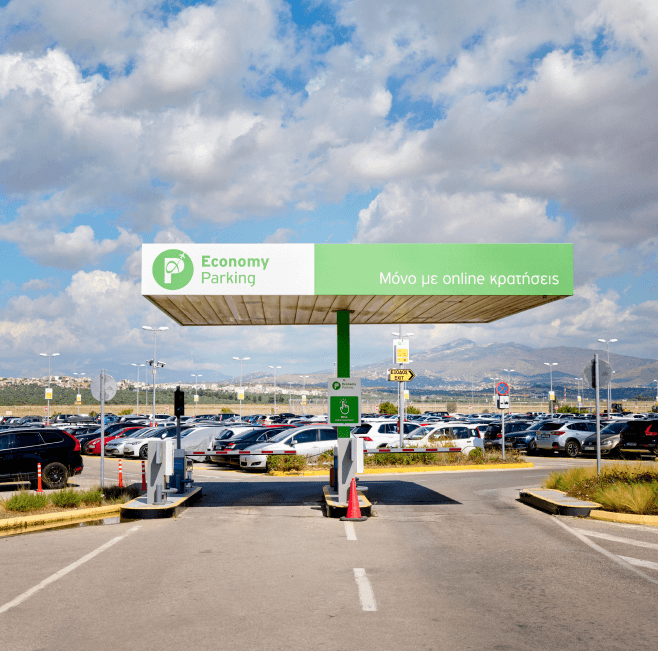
(353, 510)
(120, 475)
(39, 487)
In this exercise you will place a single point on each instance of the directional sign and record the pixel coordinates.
(502, 388)
(605, 373)
(400, 374)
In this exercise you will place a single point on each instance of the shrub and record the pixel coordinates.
(92, 497)
(451, 406)
(625, 498)
(476, 455)
(413, 410)
(25, 501)
(120, 493)
(387, 408)
(125, 412)
(226, 410)
(67, 498)
(286, 463)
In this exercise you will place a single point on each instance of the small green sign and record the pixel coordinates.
(344, 410)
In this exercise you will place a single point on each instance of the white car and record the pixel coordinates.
(139, 446)
(115, 447)
(381, 434)
(309, 440)
(461, 435)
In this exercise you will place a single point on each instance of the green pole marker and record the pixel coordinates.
(343, 356)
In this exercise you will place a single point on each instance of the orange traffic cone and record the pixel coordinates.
(353, 510)
(39, 487)
(120, 475)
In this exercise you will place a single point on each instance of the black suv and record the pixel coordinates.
(21, 450)
(639, 437)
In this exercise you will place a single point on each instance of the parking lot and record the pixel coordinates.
(450, 560)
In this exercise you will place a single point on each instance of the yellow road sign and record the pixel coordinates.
(401, 374)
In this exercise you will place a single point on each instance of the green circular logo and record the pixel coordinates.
(173, 269)
(336, 386)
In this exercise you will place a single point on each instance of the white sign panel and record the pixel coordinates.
(344, 401)
(228, 269)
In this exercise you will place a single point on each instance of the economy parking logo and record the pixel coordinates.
(173, 269)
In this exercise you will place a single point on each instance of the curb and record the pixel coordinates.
(557, 502)
(23, 524)
(626, 518)
(386, 470)
(137, 509)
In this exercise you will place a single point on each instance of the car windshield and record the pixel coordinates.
(613, 428)
(549, 427)
(418, 433)
(281, 435)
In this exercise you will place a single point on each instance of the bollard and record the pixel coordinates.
(39, 487)
(143, 475)
(120, 475)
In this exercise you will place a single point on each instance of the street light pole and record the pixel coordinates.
(137, 385)
(49, 355)
(274, 367)
(155, 363)
(656, 390)
(550, 368)
(241, 359)
(607, 343)
(303, 390)
(196, 393)
(76, 398)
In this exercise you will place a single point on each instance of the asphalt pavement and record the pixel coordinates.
(451, 560)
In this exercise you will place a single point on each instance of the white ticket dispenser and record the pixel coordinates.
(160, 465)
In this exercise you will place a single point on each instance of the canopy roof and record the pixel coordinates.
(298, 284)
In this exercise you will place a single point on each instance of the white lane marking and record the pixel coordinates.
(366, 595)
(349, 530)
(626, 541)
(613, 557)
(640, 563)
(58, 575)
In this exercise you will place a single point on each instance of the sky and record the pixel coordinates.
(125, 122)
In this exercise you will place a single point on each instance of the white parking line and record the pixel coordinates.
(58, 575)
(613, 557)
(626, 541)
(640, 563)
(349, 530)
(366, 595)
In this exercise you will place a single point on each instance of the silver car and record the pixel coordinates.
(564, 437)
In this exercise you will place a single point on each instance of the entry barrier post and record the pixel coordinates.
(39, 486)
(346, 465)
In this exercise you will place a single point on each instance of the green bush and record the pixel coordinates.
(25, 501)
(67, 498)
(476, 455)
(125, 412)
(286, 463)
(451, 406)
(387, 408)
(120, 494)
(413, 410)
(92, 497)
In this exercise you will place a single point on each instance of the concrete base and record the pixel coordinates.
(557, 502)
(174, 504)
(336, 509)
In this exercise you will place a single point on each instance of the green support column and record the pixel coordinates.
(343, 355)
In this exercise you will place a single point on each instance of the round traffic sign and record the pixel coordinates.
(110, 387)
(502, 388)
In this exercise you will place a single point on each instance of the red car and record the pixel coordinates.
(94, 446)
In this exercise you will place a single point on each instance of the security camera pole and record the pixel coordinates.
(154, 363)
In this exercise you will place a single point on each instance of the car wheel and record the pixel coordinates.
(55, 475)
(144, 452)
(532, 449)
(572, 449)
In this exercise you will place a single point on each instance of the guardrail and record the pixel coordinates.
(218, 453)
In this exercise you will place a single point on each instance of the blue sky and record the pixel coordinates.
(339, 121)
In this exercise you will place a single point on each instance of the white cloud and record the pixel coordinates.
(281, 235)
(40, 284)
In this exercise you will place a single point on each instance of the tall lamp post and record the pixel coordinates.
(274, 367)
(401, 386)
(509, 384)
(290, 396)
(578, 389)
(607, 343)
(154, 363)
(550, 368)
(79, 379)
(656, 391)
(196, 393)
(137, 385)
(303, 390)
(49, 355)
(241, 359)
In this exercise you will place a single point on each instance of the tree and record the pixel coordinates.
(412, 410)
(451, 406)
(387, 408)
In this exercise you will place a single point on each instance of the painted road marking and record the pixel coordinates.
(58, 575)
(366, 595)
(350, 531)
(626, 541)
(613, 557)
(640, 563)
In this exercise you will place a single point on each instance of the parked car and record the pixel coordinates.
(115, 448)
(564, 437)
(94, 445)
(465, 436)
(309, 440)
(381, 434)
(493, 435)
(237, 444)
(638, 438)
(609, 440)
(523, 440)
(139, 445)
(57, 451)
(89, 435)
